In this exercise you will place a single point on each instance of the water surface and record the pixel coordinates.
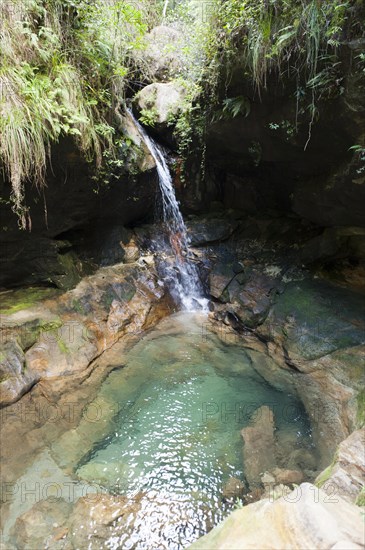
(181, 399)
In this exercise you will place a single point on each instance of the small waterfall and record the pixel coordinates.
(183, 274)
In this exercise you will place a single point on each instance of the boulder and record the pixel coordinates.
(305, 518)
(252, 296)
(202, 232)
(141, 156)
(219, 278)
(259, 446)
(161, 100)
(163, 53)
(346, 475)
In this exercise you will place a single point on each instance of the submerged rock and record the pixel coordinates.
(233, 489)
(97, 518)
(43, 526)
(287, 477)
(259, 446)
(305, 518)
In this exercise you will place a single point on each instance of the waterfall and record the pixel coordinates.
(183, 275)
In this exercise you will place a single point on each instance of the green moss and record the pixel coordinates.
(18, 300)
(326, 474)
(62, 346)
(77, 306)
(50, 325)
(71, 275)
(360, 501)
(360, 415)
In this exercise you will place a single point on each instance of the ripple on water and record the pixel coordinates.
(182, 401)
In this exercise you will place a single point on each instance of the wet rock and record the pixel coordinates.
(233, 489)
(251, 300)
(98, 517)
(15, 378)
(315, 332)
(139, 156)
(326, 245)
(314, 318)
(74, 208)
(219, 278)
(259, 446)
(210, 230)
(43, 526)
(36, 260)
(295, 521)
(161, 100)
(65, 350)
(73, 329)
(346, 475)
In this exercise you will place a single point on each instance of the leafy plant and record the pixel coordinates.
(233, 107)
(148, 117)
(65, 67)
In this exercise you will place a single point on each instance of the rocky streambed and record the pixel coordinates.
(302, 334)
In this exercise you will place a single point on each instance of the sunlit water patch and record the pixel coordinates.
(181, 398)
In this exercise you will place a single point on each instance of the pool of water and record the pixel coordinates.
(180, 401)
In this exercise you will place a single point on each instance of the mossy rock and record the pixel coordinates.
(360, 415)
(17, 300)
(318, 318)
(360, 501)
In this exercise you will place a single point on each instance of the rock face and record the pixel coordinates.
(259, 446)
(346, 475)
(62, 337)
(77, 207)
(265, 167)
(311, 330)
(305, 518)
(162, 100)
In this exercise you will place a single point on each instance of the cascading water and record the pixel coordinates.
(185, 284)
